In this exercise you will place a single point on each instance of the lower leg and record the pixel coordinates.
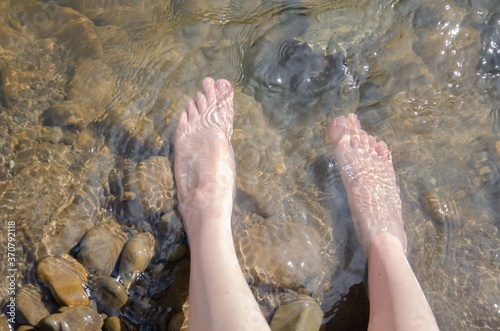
(396, 298)
(219, 296)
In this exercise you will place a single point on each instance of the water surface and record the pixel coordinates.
(90, 90)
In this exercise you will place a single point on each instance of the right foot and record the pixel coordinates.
(368, 175)
(204, 161)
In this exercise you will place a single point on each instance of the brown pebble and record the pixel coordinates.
(100, 248)
(50, 20)
(484, 170)
(152, 182)
(441, 211)
(174, 297)
(32, 306)
(497, 149)
(65, 277)
(175, 252)
(288, 255)
(25, 328)
(72, 318)
(170, 225)
(109, 294)
(136, 256)
(176, 322)
(115, 323)
(4, 325)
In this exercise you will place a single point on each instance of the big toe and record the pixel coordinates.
(338, 129)
(223, 88)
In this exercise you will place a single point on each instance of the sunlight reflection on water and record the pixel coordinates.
(81, 117)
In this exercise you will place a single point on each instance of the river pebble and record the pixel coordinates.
(75, 220)
(14, 83)
(4, 324)
(50, 20)
(441, 211)
(26, 328)
(259, 159)
(176, 322)
(302, 313)
(173, 298)
(90, 91)
(109, 294)
(285, 255)
(152, 180)
(72, 318)
(170, 225)
(116, 12)
(115, 323)
(174, 252)
(65, 278)
(100, 248)
(490, 59)
(32, 305)
(135, 257)
(143, 189)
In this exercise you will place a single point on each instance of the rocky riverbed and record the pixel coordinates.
(90, 95)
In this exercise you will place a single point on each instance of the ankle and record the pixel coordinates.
(385, 244)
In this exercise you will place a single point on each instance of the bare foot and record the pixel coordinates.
(204, 159)
(368, 175)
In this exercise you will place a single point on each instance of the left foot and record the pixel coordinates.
(204, 159)
(368, 175)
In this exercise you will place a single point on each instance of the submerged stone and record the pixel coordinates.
(302, 313)
(173, 298)
(116, 12)
(260, 159)
(489, 62)
(135, 257)
(32, 306)
(72, 318)
(25, 328)
(291, 81)
(284, 255)
(109, 294)
(115, 323)
(170, 225)
(51, 20)
(100, 248)
(65, 278)
(143, 189)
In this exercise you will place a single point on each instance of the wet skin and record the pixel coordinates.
(205, 172)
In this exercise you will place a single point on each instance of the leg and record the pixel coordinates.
(219, 296)
(396, 298)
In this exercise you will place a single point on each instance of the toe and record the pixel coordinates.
(182, 120)
(372, 141)
(208, 85)
(382, 149)
(372, 146)
(182, 124)
(354, 121)
(364, 139)
(223, 88)
(201, 101)
(192, 110)
(338, 129)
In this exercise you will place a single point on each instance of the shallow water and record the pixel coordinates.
(84, 121)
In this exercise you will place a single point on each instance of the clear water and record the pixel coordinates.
(421, 75)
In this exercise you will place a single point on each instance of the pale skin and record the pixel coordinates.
(396, 298)
(219, 296)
